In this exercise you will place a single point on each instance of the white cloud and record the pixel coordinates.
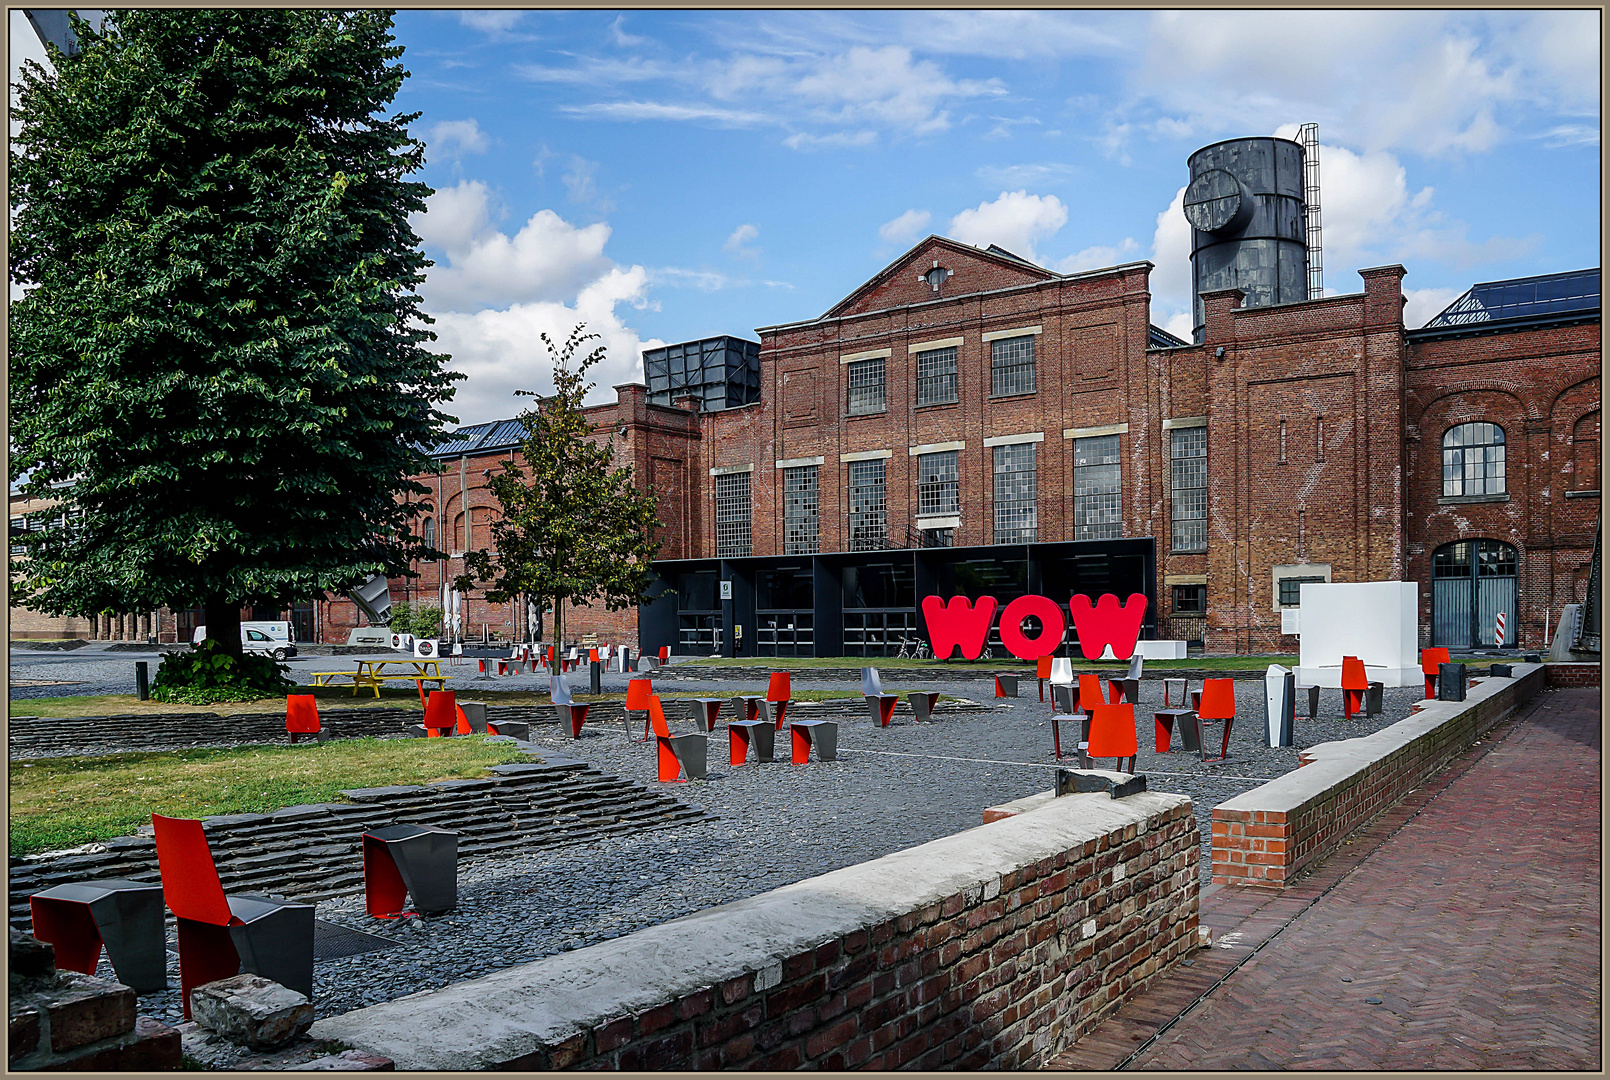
(1097, 257)
(455, 138)
(548, 259)
(491, 22)
(905, 228)
(1023, 176)
(1015, 221)
(801, 140)
(1170, 279)
(501, 351)
(658, 110)
(742, 235)
(1570, 135)
(581, 182)
(1423, 304)
(619, 36)
(885, 86)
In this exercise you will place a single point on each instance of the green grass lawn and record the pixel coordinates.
(64, 802)
(1209, 663)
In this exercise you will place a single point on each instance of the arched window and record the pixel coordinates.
(427, 532)
(1473, 460)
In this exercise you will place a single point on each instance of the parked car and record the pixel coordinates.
(276, 639)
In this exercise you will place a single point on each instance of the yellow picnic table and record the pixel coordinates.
(373, 674)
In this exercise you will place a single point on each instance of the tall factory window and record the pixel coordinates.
(1097, 491)
(732, 515)
(801, 530)
(869, 507)
(1188, 481)
(936, 377)
(1016, 521)
(937, 538)
(866, 387)
(427, 532)
(1011, 366)
(1473, 460)
(937, 483)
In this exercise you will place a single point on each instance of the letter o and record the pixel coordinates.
(1052, 626)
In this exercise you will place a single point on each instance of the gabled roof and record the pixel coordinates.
(924, 249)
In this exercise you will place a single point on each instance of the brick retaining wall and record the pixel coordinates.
(996, 947)
(1573, 674)
(1266, 836)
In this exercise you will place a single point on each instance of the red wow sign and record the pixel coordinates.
(964, 625)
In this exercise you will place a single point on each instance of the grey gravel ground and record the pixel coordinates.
(776, 824)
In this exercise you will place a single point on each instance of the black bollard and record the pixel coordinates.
(142, 681)
(594, 669)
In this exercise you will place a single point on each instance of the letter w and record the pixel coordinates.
(1108, 624)
(958, 625)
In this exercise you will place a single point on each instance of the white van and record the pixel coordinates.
(276, 639)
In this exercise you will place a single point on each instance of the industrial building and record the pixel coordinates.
(967, 422)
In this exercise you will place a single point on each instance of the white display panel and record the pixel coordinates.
(1375, 621)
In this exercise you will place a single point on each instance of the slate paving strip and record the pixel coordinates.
(1433, 939)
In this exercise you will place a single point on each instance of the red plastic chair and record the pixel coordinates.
(1217, 706)
(638, 693)
(1355, 684)
(302, 716)
(665, 654)
(1112, 734)
(441, 714)
(779, 695)
(221, 936)
(1042, 672)
(1090, 694)
(1429, 659)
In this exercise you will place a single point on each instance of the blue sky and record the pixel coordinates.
(667, 175)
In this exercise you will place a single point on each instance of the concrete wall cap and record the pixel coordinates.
(507, 1014)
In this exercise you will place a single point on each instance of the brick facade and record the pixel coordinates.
(1324, 422)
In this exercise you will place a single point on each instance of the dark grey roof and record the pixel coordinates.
(479, 439)
(1158, 338)
(1539, 298)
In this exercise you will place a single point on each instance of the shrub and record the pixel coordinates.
(207, 674)
(423, 622)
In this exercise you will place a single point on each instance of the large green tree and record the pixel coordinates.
(220, 364)
(574, 528)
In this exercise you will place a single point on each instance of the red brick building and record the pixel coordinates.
(965, 399)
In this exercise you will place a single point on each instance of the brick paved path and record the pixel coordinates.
(1473, 918)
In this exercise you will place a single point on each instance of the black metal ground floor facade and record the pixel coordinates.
(869, 603)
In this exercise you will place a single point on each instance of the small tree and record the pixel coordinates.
(574, 529)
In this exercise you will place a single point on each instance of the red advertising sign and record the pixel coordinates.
(965, 625)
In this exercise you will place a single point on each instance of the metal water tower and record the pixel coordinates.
(1249, 231)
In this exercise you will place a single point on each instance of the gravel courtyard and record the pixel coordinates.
(774, 824)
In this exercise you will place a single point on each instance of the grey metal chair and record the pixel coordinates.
(822, 734)
(400, 861)
(922, 704)
(1064, 691)
(742, 734)
(125, 916)
(879, 704)
(571, 714)
(705, 710)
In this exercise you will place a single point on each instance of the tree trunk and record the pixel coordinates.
(558, 635)
(223, 624)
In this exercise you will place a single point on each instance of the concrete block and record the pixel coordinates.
(84, 1009)
(251, 1010)
(347, 1061)
(1117, 785)
(23, 1035)
(1161, 650)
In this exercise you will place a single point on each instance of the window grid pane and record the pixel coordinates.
(1016, 521)
(938, 538)
(732, 515)
(1473, 460)
(1098, 512)
(1012, 366)
(936, 377)
(1188, 483)
(866, 387)
(801, 528)
(869, 507)
(938, 483)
